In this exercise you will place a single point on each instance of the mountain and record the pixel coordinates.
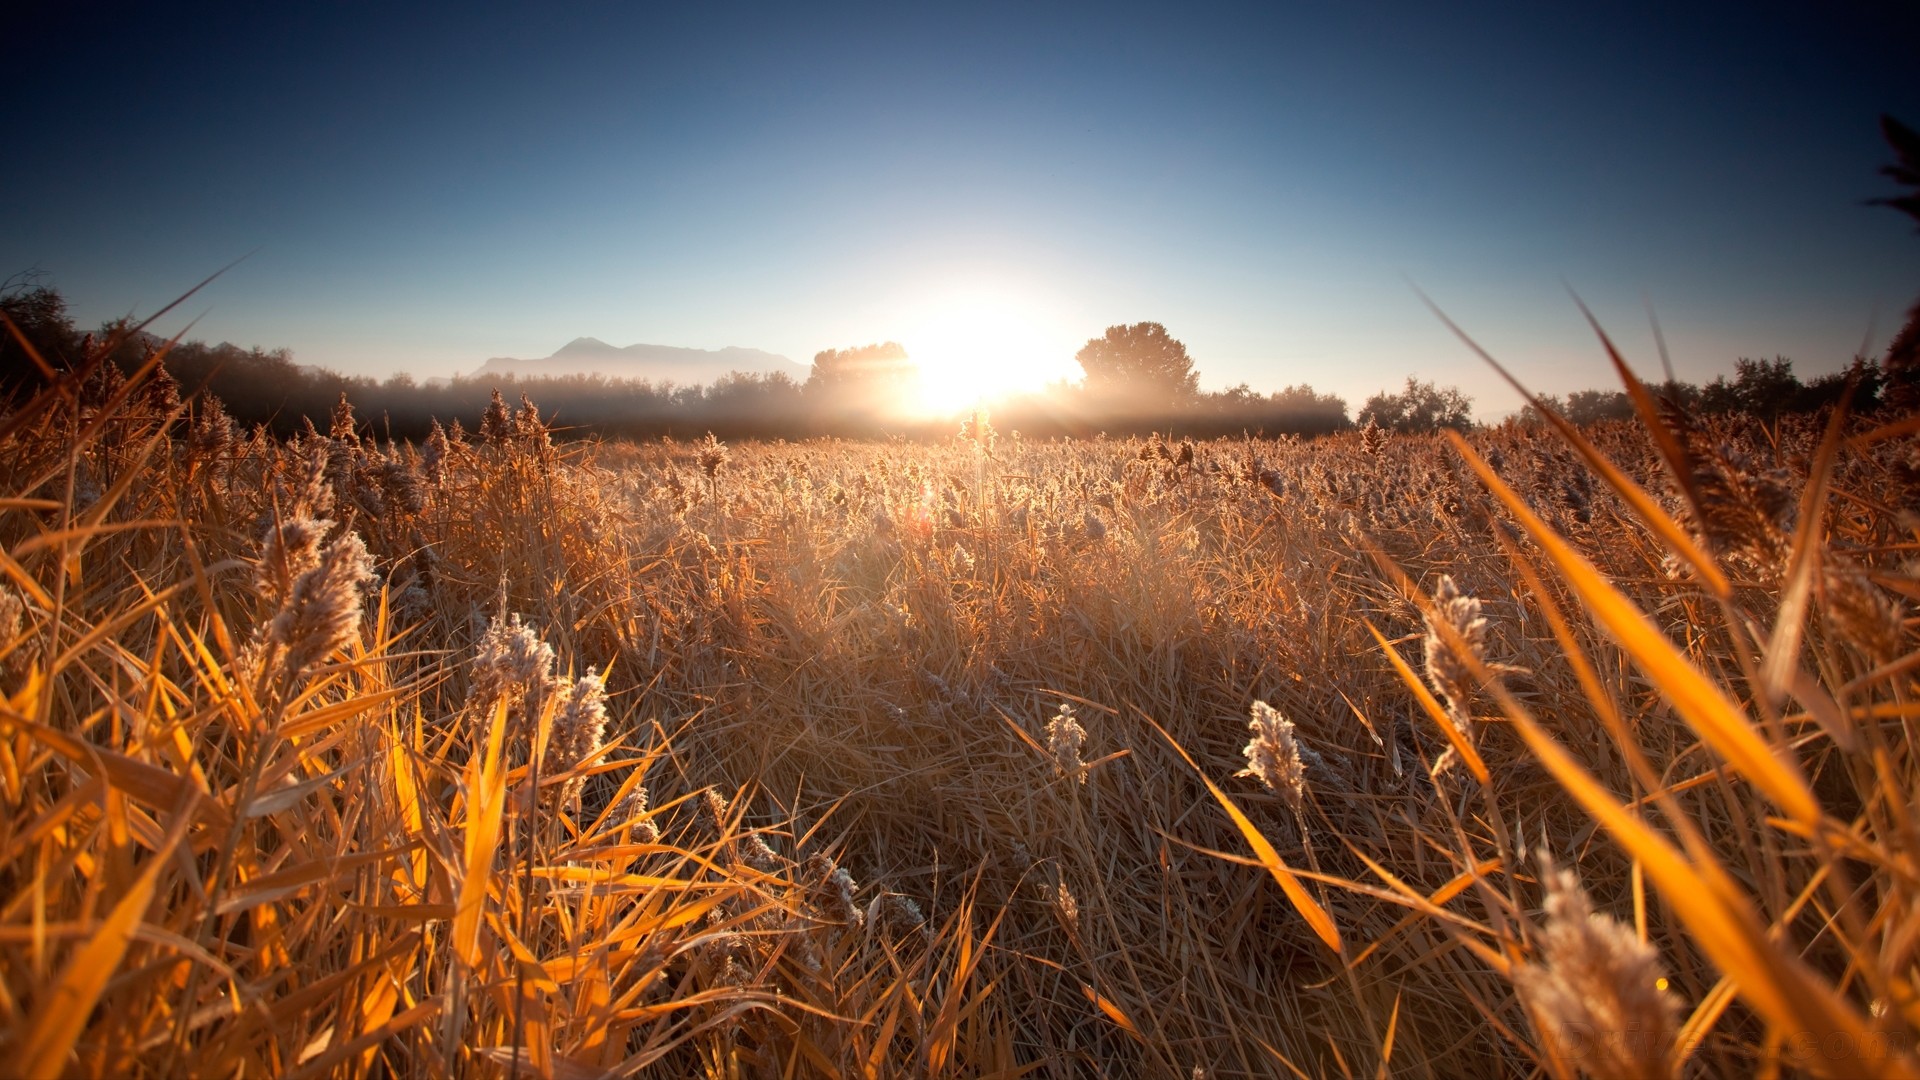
(655, 363)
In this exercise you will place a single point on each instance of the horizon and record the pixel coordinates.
(990, 189)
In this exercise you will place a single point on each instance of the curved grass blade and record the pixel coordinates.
(1316, 916)
(1702, 704)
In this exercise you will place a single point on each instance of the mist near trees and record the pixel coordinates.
(1139, 378)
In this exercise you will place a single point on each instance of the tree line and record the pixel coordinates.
(1138, 378)
(855, 392)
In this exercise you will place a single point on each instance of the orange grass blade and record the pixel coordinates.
(1723, 923)
(1703, 705)
(145, 782)
(324, 1063)
(487, 795)
(1643, 504)
(1317, 918)
(1443, 895)
(1783, 647)
(1113, 1011)
(1434, 710)
(1672, 450)
(50, 1036)
(1386, 1047)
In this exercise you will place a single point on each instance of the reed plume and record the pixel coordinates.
(1595, 990)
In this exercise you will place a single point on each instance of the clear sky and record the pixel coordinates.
(421, 189)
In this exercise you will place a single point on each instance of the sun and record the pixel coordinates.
(977, 345)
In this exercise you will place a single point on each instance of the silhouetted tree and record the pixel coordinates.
(1765, 388)
(1906, 170)
(39, 312)
(864, 367)
(1588, 406)
(1140, 365)
(852, 389)
(1420, 407)
(1823, 391)
(1902, 365)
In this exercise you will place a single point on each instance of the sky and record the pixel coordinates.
(418, 189)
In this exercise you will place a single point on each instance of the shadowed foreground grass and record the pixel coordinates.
(1569, 751)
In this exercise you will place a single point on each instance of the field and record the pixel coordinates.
(498, 754)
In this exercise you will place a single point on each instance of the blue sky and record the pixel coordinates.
(418, 189)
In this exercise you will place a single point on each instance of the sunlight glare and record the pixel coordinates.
(977, 346)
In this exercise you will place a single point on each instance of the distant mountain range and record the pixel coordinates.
(655, 363)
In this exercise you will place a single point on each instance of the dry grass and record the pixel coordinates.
(336, 756)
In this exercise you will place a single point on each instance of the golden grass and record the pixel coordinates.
(261, 820)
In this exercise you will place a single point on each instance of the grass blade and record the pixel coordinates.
(1703, 705)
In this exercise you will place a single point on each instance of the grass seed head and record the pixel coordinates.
(1066, 907)
(579, 722)
(1596, 990)
(1273, 755)
(713, 456)
(321, 612)
(312, 493)
(1449, 676)
(1863, 613)
(1065, 737)
(633, 812)
(496, 424)
(433, 454)
(290, 549)
(1095, 528)
(342, 426)
(511, 663)
(1746, 511)
(830, 890)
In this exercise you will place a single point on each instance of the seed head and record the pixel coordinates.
(433, 455)
(1596, 981)
(162, 391)
(1273, 755)
(1095, 528)
(1065, 737)
(14, 653)
(322, 609)
(713, 456)
(1745, 509)
(312, 492)
(1066, 907)
(633, 811)
(1863, 613)
(496, 424)
(978, 430)
(211, 435)
(893, 915)
(830, 888)
(579, 722)
(511, 664)
(1446, 672)
(527, 423)
(290, 549)
(398, 484)
(1373, 438)
(342, 427)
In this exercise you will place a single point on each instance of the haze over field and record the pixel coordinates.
(989, 185)
(655, 363)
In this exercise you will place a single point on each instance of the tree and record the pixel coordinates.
(1421, 407)
(854, 388)
(1591, 406)
(1765, 388)
(1141, 364)
(1902, 363)
(864, 367)
(39, 312)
